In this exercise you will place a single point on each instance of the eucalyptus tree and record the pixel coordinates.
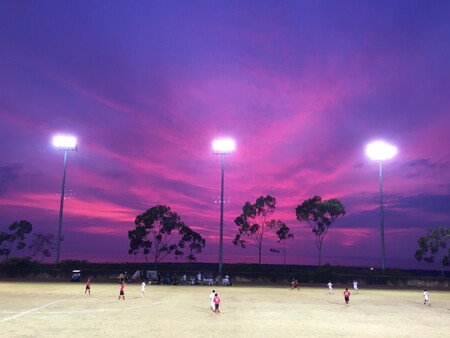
(253, 223)
(18, 231)
(320, 215)
(159, 232)
(284, 234)
(436, 243)
(42, 245)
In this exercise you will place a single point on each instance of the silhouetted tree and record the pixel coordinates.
(435, 244)
(320, 215)
(195, 240)
(17, 234)
(160, 232)
(253, 223)
(42, 244)
(283, 235)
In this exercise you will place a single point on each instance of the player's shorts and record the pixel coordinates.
(88, 287)
(122, 293)
(216, 306)
(347, 299)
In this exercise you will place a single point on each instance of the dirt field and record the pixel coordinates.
(63, 310)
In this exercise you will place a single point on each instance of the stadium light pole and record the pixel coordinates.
(222, 147)
(64, 143)
(380, 151)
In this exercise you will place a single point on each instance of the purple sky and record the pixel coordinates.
(302, 87)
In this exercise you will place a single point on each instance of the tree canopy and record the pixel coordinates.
(320, 216)
(160, 232)
(42, 245)
(433, 244)
(283, 234)
(17, 232)
(253, 223)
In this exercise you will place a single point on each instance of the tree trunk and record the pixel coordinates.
(259, 254)
(320, 253)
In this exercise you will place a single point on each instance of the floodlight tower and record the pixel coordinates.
(65, 143)
(380, 151)
(222, 147)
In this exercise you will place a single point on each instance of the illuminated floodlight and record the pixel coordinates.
(223, 146)
(64, 142)
(380, 151)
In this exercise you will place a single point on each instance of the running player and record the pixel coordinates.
(355, 286)
(330, 288)
(426, 298)
(346, 296)
(88, 286)
(295, 284)
(216, 301)
(142, 288)
(211, 298)
(122, 291)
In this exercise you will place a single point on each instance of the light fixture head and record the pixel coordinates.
(223, 146)
(64, 142)
(380, 151)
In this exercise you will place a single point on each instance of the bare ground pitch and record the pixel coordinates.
(63, 310)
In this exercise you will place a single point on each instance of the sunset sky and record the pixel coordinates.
(301, 86)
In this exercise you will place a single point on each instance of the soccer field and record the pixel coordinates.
(63, 310)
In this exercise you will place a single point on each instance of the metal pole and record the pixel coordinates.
(221, 216)
(61, 205)
(383, 261)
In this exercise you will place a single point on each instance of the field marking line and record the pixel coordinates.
(26, 312)
(85, 311)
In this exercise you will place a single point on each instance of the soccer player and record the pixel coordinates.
(346, 296)
(355, 286)
(330, 288)
(295, 284)
(211, 298)
(216, 301)
(142, 288)
(88, 286)
(122, 292)
(426, 298)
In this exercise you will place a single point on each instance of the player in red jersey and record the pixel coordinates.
(88, 286)
(216, 302)
(295, 284)
(346, 296)
(122, 292)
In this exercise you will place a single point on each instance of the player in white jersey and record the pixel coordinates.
(330, 288)
(355, 286)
